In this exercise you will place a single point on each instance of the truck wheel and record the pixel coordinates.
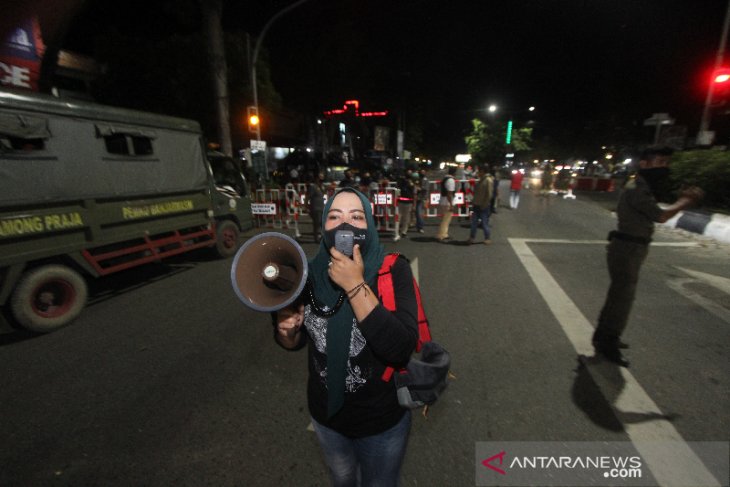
(48, 298)
(226, 238)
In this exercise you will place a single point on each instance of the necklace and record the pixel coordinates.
(325, 311)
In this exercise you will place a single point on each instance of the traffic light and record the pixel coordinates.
(253, 120)
(721, 86)
(722, 77)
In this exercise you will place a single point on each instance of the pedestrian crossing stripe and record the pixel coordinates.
(678, 466)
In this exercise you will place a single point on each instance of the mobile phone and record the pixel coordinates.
(344, 241)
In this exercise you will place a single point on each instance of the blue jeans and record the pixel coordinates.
(477, 214)
(419, 214)
(372, 461)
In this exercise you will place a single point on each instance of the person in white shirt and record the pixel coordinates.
(446, 203)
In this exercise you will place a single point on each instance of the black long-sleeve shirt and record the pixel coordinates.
(383, 338)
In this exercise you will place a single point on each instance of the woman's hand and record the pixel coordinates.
(289, 320)
(344, 271)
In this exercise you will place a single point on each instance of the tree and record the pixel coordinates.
(166, 70)
(486, 142)
(212, 31)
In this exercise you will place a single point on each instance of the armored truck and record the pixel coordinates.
(87, 190)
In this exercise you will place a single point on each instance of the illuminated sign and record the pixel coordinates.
(20, 56)
(353, 106)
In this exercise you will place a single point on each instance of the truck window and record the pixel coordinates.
(128, 145)
(227, 173)
(22, 133)
(126, 141)
(9, 143)
(142, 146)
(116, 144)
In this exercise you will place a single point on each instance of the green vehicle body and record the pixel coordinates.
(87, 190)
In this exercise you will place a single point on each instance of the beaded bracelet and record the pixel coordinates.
(354, 291)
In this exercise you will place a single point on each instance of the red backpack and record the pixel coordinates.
(423, 379)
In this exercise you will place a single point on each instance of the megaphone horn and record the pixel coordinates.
(269, 272)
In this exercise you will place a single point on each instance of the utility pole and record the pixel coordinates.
(212, 11)
(703, 137)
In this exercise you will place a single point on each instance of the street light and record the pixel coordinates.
(510, 114)
(256, 55)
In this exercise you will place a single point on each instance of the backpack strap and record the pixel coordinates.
(387, 297)
(385, 281)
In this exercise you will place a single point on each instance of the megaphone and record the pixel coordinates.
(269, 272)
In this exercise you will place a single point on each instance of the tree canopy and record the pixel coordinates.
(486, 142)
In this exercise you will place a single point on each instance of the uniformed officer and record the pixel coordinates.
(629, 245)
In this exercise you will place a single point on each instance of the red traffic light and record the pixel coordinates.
(721, 76)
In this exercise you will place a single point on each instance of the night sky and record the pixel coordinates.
(575, 60)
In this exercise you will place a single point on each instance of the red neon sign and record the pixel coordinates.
(355, 105)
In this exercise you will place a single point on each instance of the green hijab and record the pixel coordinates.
(326, 292)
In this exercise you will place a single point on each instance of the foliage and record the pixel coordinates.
(708, 169)
(486, 144)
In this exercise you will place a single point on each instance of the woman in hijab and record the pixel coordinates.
(352, 338)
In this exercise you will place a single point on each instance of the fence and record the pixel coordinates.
(283, 208)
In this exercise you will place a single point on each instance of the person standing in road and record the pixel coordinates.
(514, 188)
(348, 181)
(480, 206)
(315, 204)
(421, 199)
(629, 245)
(446, 203)
(351, 338)
(365, 181)
(494, 202)
(547, 180)
(407, 187)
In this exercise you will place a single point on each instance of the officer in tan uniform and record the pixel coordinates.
(629, 245)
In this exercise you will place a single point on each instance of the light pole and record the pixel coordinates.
(256, 55)
(703, 139)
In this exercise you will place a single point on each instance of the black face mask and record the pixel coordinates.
(657, 178)
(360, 236)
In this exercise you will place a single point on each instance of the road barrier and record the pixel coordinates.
(283, 208)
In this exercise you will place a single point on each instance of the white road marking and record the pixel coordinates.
(677, 465)
(718, 282)
(721, 283)
(604, 242)
(718, 310)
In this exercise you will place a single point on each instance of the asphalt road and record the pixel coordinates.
(166, 379)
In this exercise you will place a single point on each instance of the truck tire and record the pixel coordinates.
(48, 297)
(227, 235)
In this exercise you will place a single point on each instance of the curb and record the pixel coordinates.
(715, 225)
